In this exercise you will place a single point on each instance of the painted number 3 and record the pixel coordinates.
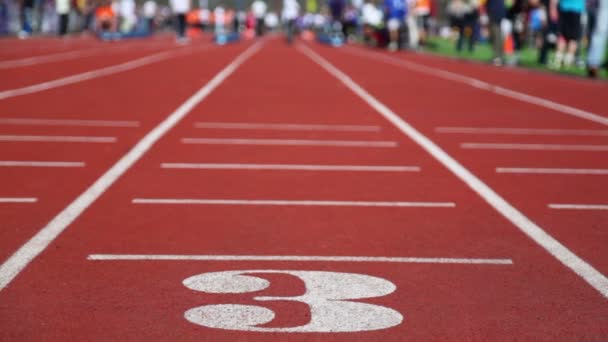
(327, 294)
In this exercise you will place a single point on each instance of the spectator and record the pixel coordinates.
(569, 13)
(550, 31)
(291, 10)
(180, 8)
(597, 49)
(150, 9)
(463, 14)
(63, 11)
(259, 8)
(496, 13)
(395, 12)
(105, 18)
(26, 13)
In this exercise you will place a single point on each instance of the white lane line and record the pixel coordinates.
(18, 200)
(68, 122)
(287, 127)
(521, 131)
(551, 171)
(15, 163)
(479, 84)
(306, 203)
(133, 64)
(579, 206)
(170, 257)
(56, 138)
(39, 242)
(288, 142)
(296, 167)
(592, 276)
(533, 147)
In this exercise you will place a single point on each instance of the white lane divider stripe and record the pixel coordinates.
(39, 242)
(579, 266)
(170, 257)
(56, 138)
(288, 142)
(23, 163)
(292, 202)
(287, 127)
(295, 167)
(532, 147)
(520, 131)
(18, 200)
(579, 206)
(68, 122)
(479, 84)
(133, 64)
(551, 171)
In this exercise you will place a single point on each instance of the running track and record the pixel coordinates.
(261, 191)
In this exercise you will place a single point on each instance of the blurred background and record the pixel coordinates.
(553, 35)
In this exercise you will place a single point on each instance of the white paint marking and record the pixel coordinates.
(287, 127)
(533, 147)
(133, 64)
(16, 163)
(414, 260)
(24, 255)
(579, 206)
(289, 142)
(551, 171)
(521, 131)
(592, 276)
(68, 122)
(18, 200)
(475, 83)
(295, 167)
(292, 202)
(56, 138)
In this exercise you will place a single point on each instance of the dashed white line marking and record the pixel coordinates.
(579, 206)
(68, 122)
(584, 270)
(292, 203)
(31, 249)
(551, 171)
(475, 83)
(533, 147)
(289, 142)
(17, 163)
(18, 200)
(295, 167)
(521, 131)
(56, 138)
(167, 257)
(287, 127)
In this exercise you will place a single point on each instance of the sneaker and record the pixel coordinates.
(497, 61)
(392, 46)
(592, 72)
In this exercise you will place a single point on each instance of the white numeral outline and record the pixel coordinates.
(328, 295)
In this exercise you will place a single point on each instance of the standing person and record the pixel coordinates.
(549, 32)
(395, 12)
(496, 13)
(63, 11)
(180, 8)
(569, 13)
(291, 10)
(150, 9)
(462, 13)
(26, 13)
(259, 8)
(597, 50)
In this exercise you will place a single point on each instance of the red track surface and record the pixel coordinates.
(61, 295)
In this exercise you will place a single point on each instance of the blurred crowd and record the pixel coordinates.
(563, 32)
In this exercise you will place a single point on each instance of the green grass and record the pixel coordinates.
(483, 53)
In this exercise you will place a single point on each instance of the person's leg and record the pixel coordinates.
(63, 24)
(181, 25)
(597, 49)
(497, 43)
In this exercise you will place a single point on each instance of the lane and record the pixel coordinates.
(469, 107)
(161, 299)
(526, 87)
(105, 107)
